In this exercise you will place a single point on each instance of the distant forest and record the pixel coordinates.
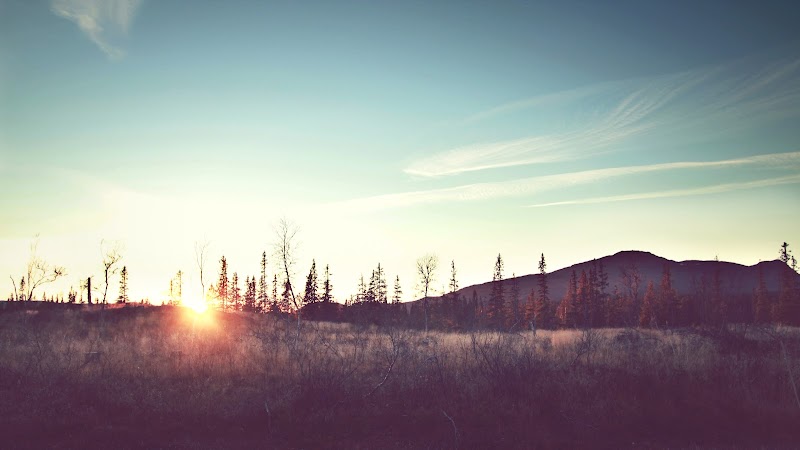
(588, 296)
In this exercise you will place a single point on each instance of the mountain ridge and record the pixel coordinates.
(688, 276)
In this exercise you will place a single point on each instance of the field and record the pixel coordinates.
(170, 378)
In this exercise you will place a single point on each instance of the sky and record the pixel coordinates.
(390, 130)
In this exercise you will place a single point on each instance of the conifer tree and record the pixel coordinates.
(398, 291)
(310, 295)
(235, 293)
(327, 287)
(788, 308)
(381, 295)
(514, 310)
(453, 284)
(568, 308)
(602, 285)
(494, 313)
(361, 294)
(647, 314)
(263, 298)
(370, 296)
(583, 301)
(530, 309)
(275, 306)
(544, 290)
(123, 286)
(250, 295)
(222, 284)
(286, 303)
(543, 313)
(178, 287)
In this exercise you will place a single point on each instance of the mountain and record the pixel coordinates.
(687, 276)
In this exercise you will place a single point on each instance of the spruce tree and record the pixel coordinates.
(327, 287)
(544, 290)
(647, 313)
(222, 284)
(513, 308)
(123, 286)
(263, 298)
(361, 295)
(381, 295)
(310, 295)
(494, 313)
(788, 308)
(398, 291)
(583, 301)
(235, 293)
(568, 308)
(250, 295)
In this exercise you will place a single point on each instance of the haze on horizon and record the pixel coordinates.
(388, 130)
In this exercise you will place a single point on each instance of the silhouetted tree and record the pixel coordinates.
(275, 304)
(250, 295)
(398, 291)
(361, 294)
(235, 293)
(310, 295)
(494, 312)
(263, 296)
(513, 309)
(123, 286)
(37, 273)
(222, 284)
(201, 256)
(285, 247)
(111, 256)
(381, 295)
(788, 308)
(327, 287)
(567, 312)
(426, 269)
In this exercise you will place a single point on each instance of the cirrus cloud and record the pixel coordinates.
(100, 20)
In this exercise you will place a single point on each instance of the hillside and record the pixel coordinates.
(687, 276)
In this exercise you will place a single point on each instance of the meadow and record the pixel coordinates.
(167, 377)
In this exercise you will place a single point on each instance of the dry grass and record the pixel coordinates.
(164, 377)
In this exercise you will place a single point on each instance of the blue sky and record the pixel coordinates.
(387, 130)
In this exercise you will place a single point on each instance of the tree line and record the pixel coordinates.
(588, 301)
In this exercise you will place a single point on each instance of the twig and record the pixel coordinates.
(789, 369)
(269, 417)
(388, 372)
(455, 430)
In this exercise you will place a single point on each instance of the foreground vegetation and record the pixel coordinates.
(168, 377)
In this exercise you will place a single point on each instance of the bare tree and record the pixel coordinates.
(201, 256)
(285, 248)
(112, 254)
(426, 269)
(38, 272)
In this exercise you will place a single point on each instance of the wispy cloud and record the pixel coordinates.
(731, 93)
(715, 189)
(536, 185)
(100, 20)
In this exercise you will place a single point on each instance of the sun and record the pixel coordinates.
(199, 306)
